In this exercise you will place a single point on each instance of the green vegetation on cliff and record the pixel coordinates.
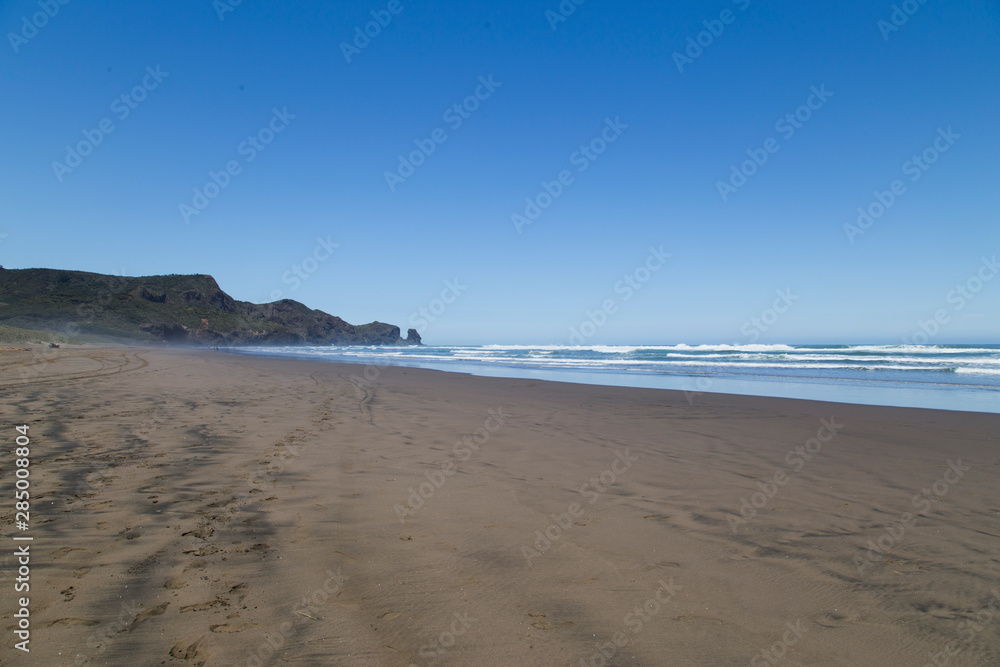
(173, 308)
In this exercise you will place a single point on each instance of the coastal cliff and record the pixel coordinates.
(179, 309)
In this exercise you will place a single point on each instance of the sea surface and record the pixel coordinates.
(951, 377)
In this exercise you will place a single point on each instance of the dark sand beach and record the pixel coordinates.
(199, 508)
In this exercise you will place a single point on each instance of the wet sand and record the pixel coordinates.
(199, 508)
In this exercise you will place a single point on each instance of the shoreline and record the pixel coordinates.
(873, 392)
(201, 508)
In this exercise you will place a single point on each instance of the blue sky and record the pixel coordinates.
(888, 94)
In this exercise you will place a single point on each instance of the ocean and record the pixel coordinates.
(951, 377)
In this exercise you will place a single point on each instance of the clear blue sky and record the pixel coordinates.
(657, 184)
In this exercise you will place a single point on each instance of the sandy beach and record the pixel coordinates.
(196, 507)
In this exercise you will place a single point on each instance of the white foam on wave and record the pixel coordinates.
(923, 349)
(613, 349)
(620, 349)
(664, 358)
(753, 347)
(980, 371)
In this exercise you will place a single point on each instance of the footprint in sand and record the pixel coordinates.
(70, 621)
(662, 563)
(149, 613)
(231, 627)
(202, 533)
(204, 551)
(240, 591)
(65, 551)
(702, 619)
(831, 620)
(545, 625)
(203, 606)
(94, 506)
(186, 651)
